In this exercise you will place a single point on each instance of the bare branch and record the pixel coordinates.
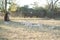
(47, 2)
(56, 2)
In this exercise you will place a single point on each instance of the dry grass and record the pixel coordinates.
(38, 20)
(15, 31)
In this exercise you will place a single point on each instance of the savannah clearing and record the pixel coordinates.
(17, 30)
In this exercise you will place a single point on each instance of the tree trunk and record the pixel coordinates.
(6, 17)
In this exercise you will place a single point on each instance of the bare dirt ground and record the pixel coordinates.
(14, 30)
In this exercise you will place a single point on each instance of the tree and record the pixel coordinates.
(4, 9)
(51, 7)
(35, 5)
(6, 17)
(52, 4)
(12, 7)
(1, 5)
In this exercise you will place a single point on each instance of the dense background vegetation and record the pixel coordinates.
(51, 10)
